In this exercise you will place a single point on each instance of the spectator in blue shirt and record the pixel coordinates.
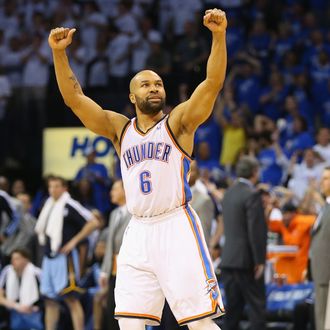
(300, 139)
(271, 158)
(97, 175)
(272, 96)
(245, 77)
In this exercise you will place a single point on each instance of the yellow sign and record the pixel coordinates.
(63, 150)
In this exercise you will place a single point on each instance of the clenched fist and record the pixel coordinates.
(215, 20)
(60, 38)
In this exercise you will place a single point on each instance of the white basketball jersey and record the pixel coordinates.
(154, 170)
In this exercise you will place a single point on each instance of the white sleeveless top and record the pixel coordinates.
(154, 170)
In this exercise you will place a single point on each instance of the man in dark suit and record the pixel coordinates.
(320, 255)
(244, 251)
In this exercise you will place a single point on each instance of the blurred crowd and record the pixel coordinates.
(275, 106)
(277, 79)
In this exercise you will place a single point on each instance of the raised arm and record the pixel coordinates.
(107, 123)
(198, 108)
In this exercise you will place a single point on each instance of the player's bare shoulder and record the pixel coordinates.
(117, 123)
(175, 118)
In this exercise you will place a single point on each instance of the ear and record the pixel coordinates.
(132, 98)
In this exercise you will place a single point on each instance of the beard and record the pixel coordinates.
(149, 108)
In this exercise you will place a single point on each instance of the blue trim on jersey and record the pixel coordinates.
(187, 191)
(206, 261)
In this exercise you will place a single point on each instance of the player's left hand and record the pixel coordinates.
(68, 247)
(259, 271)
(215, 20)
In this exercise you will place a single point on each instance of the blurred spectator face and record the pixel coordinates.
(194, 173)
(90, 7)
(155, 47)
(91, 157)
(276, 79)
(25, 199)
(290, 59)
(117, 193)
(325, 182)
(284, 29)
(323, 58)
(18, 262)
(84, 187)
(301, 80)
(287, 217)
(203, 151)
(37, 41)
(309, 20)
(145, 25)
(265, 141)
(236, 119)
(9, 7)
(323, 136)
(299, 125)
(309, 157)
(124, 6)
(317, 37)
(18, 187)
(228, 93)
(290, 105)
(100, 250)
(266, 198)
(102, 41)
(246, 70)
(190, 28)
(38, 19)
(252, 146)
(259, 27)
(4, 184)
(297, 9)
(59, 17)
(56, 188)
(14, 44)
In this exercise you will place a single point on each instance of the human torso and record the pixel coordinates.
(154, 170)
(75, 217)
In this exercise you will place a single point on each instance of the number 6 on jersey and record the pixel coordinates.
(145, 183)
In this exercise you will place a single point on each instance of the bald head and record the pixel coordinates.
(144, 75)
(4, 184)
(147, 92)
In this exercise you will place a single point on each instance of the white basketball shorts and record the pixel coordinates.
(166, 256)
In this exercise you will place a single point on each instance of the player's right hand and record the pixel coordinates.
(103, 281)
(60, 38)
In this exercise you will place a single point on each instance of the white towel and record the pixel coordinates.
(26, 292)
(50, 221)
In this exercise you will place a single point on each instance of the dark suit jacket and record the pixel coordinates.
(245, 228)
(320, 249)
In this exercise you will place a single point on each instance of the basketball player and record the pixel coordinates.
(163, 253)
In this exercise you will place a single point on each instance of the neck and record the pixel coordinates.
(146, 121)
(20, 271)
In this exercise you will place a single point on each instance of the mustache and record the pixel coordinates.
(154, 96)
